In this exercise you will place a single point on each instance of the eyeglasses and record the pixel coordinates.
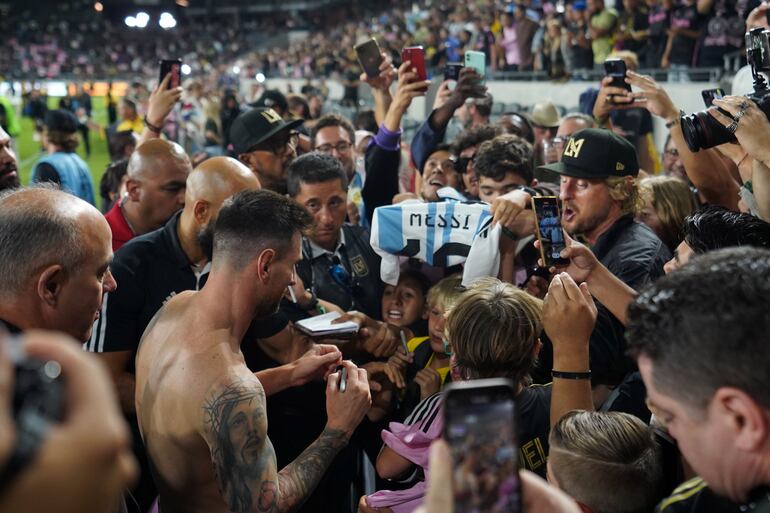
(278, 143)
(461, 163)
(341, 147)
(673, 153)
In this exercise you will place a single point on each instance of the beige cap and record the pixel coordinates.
(545, 114)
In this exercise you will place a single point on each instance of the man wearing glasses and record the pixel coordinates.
(266, 144)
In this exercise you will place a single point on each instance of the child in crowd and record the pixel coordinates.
(404, 304)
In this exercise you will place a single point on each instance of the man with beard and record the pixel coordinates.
(201, 410)
(599, 197)
(153, 268)
(267, 144)
(9, 172)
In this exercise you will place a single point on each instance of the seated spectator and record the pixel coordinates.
(155, 190)
(112, 186)
(62, 165)
(712, 228)
(592, 452)
(667, 201)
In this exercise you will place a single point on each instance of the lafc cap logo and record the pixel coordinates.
(573, 148)
(619, 166)
(271, 116)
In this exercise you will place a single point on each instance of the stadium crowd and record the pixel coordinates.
(276, 302)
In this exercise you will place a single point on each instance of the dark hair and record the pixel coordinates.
(252, 219)
(110, 182)
(474, 137)
(118, 143)
(711, 312)
(713, 227)
(328, 120)
(416, 275)
(365, 120)
(314, 167)
(67, 141)
(504, 154)
(297, 100)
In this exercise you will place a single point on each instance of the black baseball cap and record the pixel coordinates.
(61, 120)
(596, 153)
(256, 126)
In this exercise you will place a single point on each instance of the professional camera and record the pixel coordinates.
(701, 130)
(38, 403)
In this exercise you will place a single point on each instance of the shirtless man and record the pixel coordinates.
(201, 411)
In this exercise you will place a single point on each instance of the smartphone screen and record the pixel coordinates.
(452, 71)
(549, 231)
(709, 95)
(477, 61)
(616, 69)
(173, 66)
(480, 428)
(369, 57)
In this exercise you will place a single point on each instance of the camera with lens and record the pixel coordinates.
(702, 131)
(38, 403)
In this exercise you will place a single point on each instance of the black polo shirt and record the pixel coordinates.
(355, 254)
(149, 270)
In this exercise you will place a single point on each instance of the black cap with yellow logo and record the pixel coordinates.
(596, 153)
(256, 126)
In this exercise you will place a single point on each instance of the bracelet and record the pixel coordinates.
(152, 127)
(675, 121)
(570, 375)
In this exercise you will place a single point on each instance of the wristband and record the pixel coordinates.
(570, 375)
(312, 304)
(152, 127)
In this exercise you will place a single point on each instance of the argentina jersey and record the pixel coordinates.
(440, 234)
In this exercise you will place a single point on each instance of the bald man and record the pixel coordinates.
(155, 190)
(54, 276)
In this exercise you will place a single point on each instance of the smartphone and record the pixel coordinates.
(173, 66)
(416, 55)
(549, 231)
(480, 428)
(616, 69)
(369, 57)
(452, 71)
(477, 61)
(709, 95)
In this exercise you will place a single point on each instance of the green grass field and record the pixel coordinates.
(28, 150)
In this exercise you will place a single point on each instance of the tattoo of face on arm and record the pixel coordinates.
(240, 450)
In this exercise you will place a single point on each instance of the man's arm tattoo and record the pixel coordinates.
(299, 478)
(244, 459)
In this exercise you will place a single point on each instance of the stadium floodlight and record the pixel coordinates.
(236, 70)
(130, 21)
(260, 77)
(142, 18)
(186, 69)
(167, 21)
